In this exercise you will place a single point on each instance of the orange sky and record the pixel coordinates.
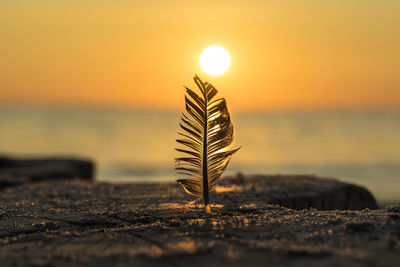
(285, 54)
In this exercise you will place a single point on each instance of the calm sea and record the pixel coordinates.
(363, 148)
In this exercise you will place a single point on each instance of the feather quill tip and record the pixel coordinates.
(207, 208)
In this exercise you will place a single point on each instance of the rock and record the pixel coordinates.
(299, 192)
(19, 171)
(75, 223)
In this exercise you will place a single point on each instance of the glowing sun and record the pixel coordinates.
(215, 60)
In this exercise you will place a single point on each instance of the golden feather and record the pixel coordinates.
(206, 140)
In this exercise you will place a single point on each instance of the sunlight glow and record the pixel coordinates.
(215, 60)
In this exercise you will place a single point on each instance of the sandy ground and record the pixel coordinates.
(68, 223)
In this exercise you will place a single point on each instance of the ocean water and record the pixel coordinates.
(357, 147)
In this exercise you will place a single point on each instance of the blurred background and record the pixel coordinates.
(313, 87)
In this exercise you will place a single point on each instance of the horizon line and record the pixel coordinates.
(101, 107)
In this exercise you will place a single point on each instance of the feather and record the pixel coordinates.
(206, 139)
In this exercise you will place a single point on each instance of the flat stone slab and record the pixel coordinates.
(15, 172)
(74, 223)
(295, 192)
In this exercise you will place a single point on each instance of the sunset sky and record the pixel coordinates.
(285, 55)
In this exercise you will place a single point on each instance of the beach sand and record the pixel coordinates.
(69, 223)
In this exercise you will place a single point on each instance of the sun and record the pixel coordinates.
(215, 60)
